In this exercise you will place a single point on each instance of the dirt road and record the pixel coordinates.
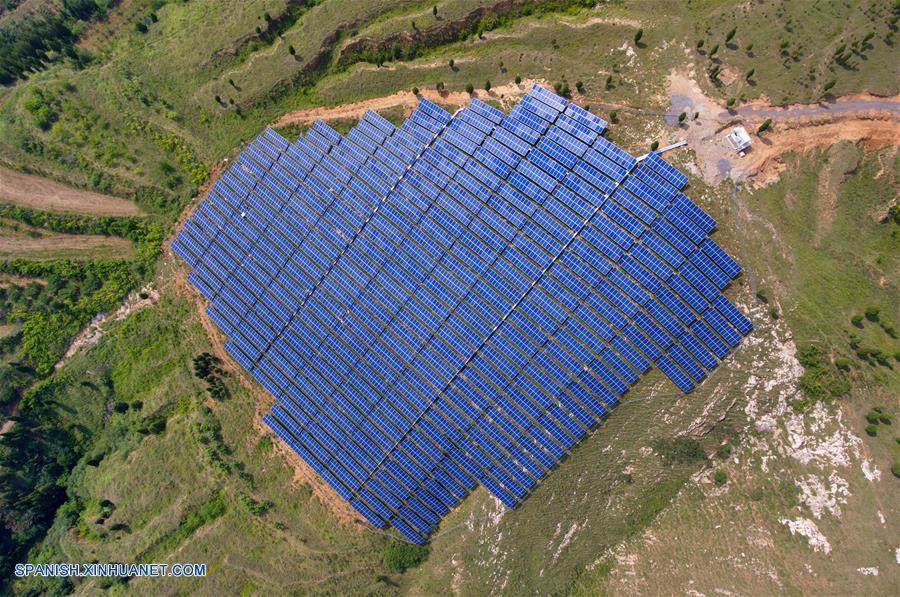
(404, 99)
(45, 194)
(872, 120)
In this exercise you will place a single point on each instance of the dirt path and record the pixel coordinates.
(405, 99)
(72, 245)
(872, 120)
(42, 193)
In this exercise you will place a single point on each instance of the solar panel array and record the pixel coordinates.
(458, 300)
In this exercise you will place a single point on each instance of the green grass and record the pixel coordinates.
(813, 32)
(194, 511)
(826, 264)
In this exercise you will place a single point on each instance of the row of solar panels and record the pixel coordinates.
(391, 160)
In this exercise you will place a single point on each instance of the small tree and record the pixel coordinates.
(470, 89)
(700, 44)
(579, 85)
(218, 100)
(749, 48)
(638, 36)
(720, 478)
(291, 50)
(872, 313)
(857, 320)
(518, 79)
(696, 115)
(487, 85)
(439, 86)
(267, 17)
(682, 117)
(713, 51)
(613, 116)
(654, 146)
(829, 84)
(750, 74)
(451, 63)
(730, 35)
(764, 126)
(398, 557)
(415, 90)
(231, 82)
(608, 82)
(414, 25)
(730, 102)
(434, 10)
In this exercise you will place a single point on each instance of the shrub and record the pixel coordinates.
(884, 419)
(682, 117)
(487, 85)
(654, 146)
(895, 468)
(872, 417)
(842, 363)
(750, 73)
(579, 85)
(121, 407)
(638, 36)
(679, 450)
(872, 313)
(470, 89)
(713, 51)
(730, 102)
(720, 477)
(518, 79)
(764, 126)
(451, 62)
(415, 90)
(819, 380)
(871, 430)
(399, 557)
(291, 50)
(723, 451)
(254, 507)
(730, 35)
(613, 116)
(700, 44)
(857, 320)
(136, 405)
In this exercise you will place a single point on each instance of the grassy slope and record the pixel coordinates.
(821, 278)
(148, 358)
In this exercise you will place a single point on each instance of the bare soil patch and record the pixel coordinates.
(41, 193)
(403, 99)
(52, 245)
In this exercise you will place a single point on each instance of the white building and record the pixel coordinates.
(739, 139)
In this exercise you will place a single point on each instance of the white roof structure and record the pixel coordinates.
(739, 138)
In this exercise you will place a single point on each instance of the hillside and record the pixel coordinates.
(777, 471)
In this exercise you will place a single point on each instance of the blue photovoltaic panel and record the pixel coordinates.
(458, 300)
